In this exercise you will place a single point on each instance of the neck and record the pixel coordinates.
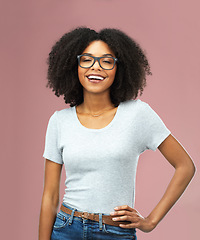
(94, 103)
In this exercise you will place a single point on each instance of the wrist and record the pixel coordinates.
(152, 222)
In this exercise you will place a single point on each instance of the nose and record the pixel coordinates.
(96, 65)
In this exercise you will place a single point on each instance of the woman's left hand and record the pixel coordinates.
(126, 213)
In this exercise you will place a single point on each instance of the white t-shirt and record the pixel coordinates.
(101, 163)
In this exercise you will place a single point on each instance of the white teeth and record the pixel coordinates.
(95, 77)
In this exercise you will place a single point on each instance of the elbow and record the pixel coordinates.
(190, 169)
(193, 169)
(187, 169)
(52, 199)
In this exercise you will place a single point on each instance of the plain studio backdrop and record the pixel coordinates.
(167, 30)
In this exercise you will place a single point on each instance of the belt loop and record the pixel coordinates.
(100, 221)
(72, 215)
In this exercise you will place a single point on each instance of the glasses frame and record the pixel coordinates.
(97, 59)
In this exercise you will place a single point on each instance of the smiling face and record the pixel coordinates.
(87, 75)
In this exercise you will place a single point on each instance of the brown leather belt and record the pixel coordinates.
(106, 219)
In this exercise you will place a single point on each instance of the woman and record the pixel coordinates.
(100, 137)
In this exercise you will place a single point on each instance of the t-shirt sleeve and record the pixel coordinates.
(154, 130)
(52, 151)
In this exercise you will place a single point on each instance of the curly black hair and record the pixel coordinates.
(132, 65)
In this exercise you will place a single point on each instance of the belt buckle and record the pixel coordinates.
(85, 215)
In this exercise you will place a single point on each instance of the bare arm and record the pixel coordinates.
(50, 199)
(184, 171)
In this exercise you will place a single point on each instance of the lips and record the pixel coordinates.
(96, 77)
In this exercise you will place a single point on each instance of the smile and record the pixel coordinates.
(95, 78)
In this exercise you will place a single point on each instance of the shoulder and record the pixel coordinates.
(135, 104)
(61, 115)
(63, 112)
(139, 109)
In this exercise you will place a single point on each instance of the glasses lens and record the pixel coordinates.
(86, 61)
(107, 62)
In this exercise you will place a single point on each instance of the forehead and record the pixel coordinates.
(98, 47)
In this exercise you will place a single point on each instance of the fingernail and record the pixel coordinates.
(116, 208)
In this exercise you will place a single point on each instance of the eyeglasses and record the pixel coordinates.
(87, 61)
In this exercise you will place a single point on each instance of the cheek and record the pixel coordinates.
(81, 73)
(112, 74)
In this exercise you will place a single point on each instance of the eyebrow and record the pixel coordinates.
(107, 54)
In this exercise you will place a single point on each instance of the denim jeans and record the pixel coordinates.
(69, 227)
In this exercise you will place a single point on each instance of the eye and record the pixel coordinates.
(86, 59)
(108, 60)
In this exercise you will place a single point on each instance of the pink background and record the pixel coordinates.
(168, 31)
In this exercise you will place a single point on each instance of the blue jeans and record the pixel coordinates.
(69, 227)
